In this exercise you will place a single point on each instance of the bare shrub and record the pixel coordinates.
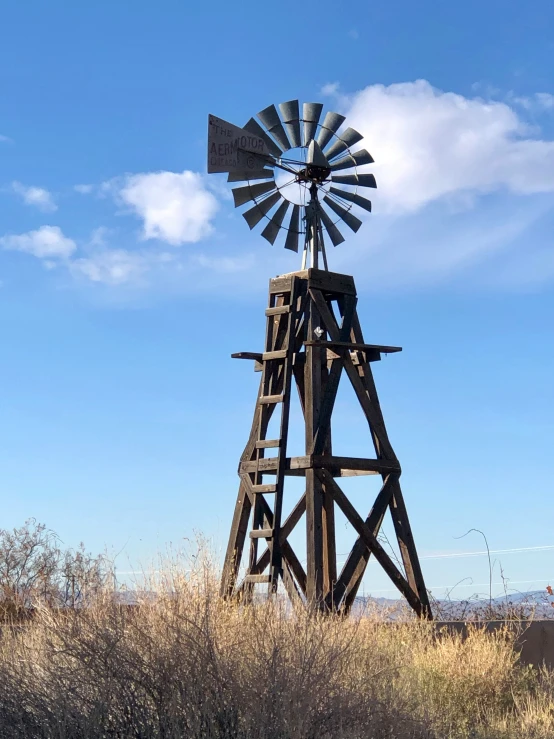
(34, 569)
(182, 663)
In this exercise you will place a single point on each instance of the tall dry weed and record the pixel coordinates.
(181, 663)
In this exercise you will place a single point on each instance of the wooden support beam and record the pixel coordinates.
(314, 494)
(355, 565)
(336, 465)
(371, 542)
(349, 345)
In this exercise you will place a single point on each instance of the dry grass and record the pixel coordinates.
(186, 665)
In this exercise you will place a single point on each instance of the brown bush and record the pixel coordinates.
(185, 664)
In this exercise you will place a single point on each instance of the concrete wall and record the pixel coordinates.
(535, 639)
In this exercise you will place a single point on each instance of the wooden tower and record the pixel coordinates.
(313, 336)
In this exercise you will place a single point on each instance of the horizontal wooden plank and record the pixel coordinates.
(331, 282)
(280, 284)
(268, 399)
(257, 578)
(264, 488)
(353, 346)
(280, 354)
(247, 355)
(355, 463)
(261, 534)
(278, 311)
(335, 465)
(268, 443)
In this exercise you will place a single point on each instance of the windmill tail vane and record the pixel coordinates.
(323, 198)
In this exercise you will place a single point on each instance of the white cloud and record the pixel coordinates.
(175, 207)
(84, 189)
(37, 196)
(111, 267)
(46, 243)
(430, 144)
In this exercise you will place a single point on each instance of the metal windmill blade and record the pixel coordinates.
(271, 231)
(243, 195)
(356, 159)
(258, 174)
(270, 118)
(254, 215)
(291, 117)
(353, 197)
(311, 113)
(363, 180)
(334, 233)
(291, 242)
(347, 139)
(331, 124)
(254, 127)
(350, 220)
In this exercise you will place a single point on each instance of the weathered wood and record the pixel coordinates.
(286, 529)
(314, 494)
(278, 310)
(237, 538)
(247, 355)
(277, 354)
(264, 488)
(268, 443)
(371, 542)
(270, 399)
(355, 565)
(332, 383)
(257, 578)
(373, 414)
(351, 346)
(330, 462)
(332, 282)
(286, 324)
(261, 534)
(280, 284)
(407, 547)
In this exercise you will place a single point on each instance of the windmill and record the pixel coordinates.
(302, 178)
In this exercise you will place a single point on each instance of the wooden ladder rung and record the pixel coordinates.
(279, 354)
(261, 534)
(257, 578)
(268, 443)
(264, 488)
(278, 311)
(268, 399)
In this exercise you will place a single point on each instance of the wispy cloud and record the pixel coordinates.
(5, 139)
(111, 267)
(37, 196)
(330, 89)
(47, 242)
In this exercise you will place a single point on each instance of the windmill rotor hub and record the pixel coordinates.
(313, 173)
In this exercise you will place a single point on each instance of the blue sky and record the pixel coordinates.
(119, 311)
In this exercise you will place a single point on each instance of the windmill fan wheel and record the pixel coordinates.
(328, 173)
